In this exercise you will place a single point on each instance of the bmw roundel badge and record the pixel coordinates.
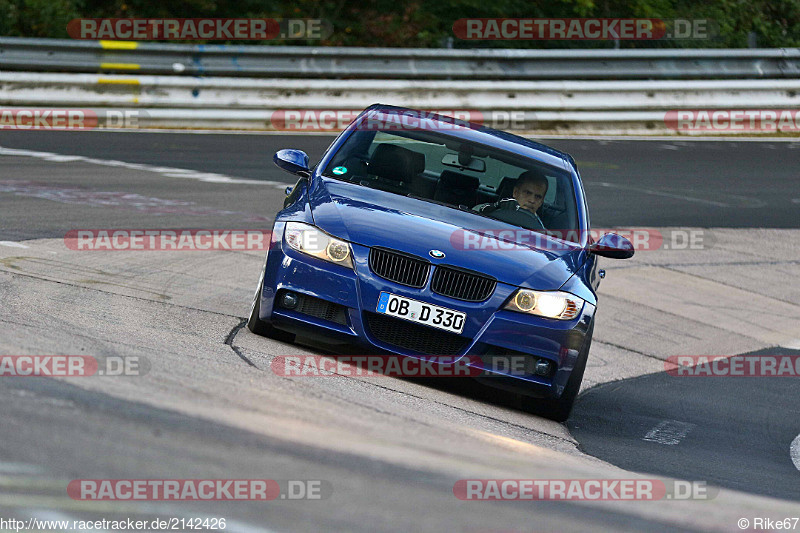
(437, 254)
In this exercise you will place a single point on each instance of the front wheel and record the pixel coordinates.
(258, 326)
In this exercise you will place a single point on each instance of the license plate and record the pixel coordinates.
(421, 313)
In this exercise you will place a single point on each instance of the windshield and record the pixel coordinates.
(457, 174)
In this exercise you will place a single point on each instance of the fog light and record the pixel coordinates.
(289, 300)
(542, 368)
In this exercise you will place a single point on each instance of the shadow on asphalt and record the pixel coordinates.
(733, 432)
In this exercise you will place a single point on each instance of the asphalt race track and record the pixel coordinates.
(743, 448)
(388, 451)
(645, 183)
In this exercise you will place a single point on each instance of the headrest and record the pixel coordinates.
(454, 180)
(396, 163)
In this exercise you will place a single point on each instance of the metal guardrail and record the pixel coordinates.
(181, 92)
(247, 87)
(252, 103)
(56, 55)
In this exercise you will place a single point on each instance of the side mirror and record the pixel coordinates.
(292, 161)
(613, 246)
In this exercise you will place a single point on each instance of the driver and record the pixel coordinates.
(528, 197)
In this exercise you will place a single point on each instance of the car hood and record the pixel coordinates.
(377, 218)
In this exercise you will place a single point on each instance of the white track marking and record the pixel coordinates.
(13, 244)
(324, 133)
(793, 142)
(665, 194)
(170, 172)
(669, 432)
(794, 452)
(661, 138)
(19, 468)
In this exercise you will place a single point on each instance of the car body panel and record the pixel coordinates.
(359, 290)
(364, 216)
(367, 218)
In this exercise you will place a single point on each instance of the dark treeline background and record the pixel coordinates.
(392, 23)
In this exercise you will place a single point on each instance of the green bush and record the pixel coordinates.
(774, 23)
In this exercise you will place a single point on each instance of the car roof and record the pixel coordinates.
(477, 133)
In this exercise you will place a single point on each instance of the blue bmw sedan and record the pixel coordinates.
(423, 236)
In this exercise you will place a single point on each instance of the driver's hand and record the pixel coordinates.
(508, 204)
(509, 210)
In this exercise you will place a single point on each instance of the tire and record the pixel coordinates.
(560, 409)
(258, 326)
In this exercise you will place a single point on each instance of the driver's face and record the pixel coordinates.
(530, 196)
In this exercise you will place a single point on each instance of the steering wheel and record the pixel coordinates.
(518, 217)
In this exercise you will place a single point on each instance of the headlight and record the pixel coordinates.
(311, 240)
(550, 304)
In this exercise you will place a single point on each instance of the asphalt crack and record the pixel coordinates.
(238, 351)
(112, 293)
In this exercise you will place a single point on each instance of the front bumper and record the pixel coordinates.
(337, 306)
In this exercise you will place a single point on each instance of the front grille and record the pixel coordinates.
(419, 339)
(317, 307)
(400, 268)
(462, 284)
